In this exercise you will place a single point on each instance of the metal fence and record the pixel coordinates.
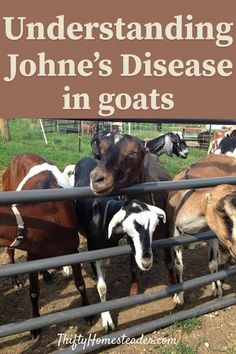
(73, 193)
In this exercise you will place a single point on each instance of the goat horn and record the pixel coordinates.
(160, 213)
(117, 219)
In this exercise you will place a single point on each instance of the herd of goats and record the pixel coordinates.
(49, 229)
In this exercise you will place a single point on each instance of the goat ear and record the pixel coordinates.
(117, 230)
(160, 213)
(115, 223)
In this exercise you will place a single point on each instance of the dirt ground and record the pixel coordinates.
(216, 335)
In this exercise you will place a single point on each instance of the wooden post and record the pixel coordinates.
(43, 131)
(4, 128)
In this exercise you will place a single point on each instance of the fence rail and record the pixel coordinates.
(151, 326)
(60, 261)
(40, 195)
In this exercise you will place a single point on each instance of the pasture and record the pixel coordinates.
(63, 149)
(213, 333)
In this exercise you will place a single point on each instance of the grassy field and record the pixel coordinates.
(26, 136)
(63, 149)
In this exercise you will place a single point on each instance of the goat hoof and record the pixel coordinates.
(214, 292)
(178, 300)
(109, 328)
(35, 333)
(107, 322)
(67, 271)
(217, 293)
(133, 289)
(17, 287)
(17, 284)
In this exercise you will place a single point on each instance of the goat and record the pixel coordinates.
(231, 132)
(104, 221)
(227, 146)
(169, 144)
(125, 163)
(15, 178)
(215, 140)
(46, 229)
(212, 208)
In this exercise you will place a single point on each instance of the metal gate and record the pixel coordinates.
(74, 193)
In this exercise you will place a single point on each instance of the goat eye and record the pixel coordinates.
(220, 211)
(133, 154)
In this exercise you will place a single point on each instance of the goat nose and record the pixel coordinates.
(97, 177)
(146, 263)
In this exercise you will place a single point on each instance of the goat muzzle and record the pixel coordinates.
(100, 182)
(146, 263)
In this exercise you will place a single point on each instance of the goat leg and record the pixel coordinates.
(214, 262)
(16, 282)
(169, 265)
(80, 285)
(133, 269)
(178, 267)
(34, 297)
(107, 322)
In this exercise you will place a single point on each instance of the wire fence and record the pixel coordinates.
(195, 135)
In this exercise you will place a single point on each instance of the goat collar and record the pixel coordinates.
(20, 227)
(181, 204)
(183, 200)
(105, 215)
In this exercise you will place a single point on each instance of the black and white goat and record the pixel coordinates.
(169, 144)
(104, 221)
(227, 146)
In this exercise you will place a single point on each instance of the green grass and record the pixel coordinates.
(175, 164)
(179, 348)
(26, 136)
(189, 324)
(63, 149)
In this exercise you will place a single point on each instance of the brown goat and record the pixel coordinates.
(214, 208)
(125, 163)
(50, 228)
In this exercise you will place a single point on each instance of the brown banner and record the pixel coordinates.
(123, 59)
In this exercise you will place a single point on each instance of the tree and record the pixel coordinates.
(4, 128)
